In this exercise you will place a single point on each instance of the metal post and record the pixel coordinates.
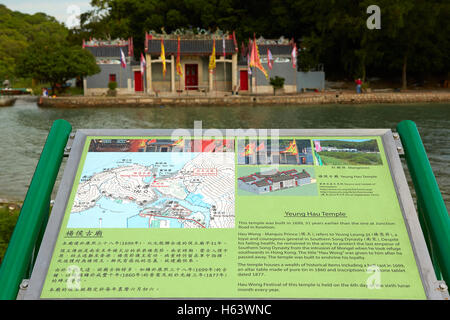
(34, 213)
(426, 234)
(432, 210)
(120, 78)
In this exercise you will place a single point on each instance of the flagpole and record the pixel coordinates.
(225, 74)
(224, 66)
(215, 65)
(120, 77)
(255, 53)
(256, 83)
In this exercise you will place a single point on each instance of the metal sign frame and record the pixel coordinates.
(430, 283)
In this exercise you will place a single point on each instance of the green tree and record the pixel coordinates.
(276, 83)
(420, 38)
(56, 62)
(18, 30)
(414, 34)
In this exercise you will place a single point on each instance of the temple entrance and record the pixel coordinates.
(138, 81)
(243, 80)
(191, 78)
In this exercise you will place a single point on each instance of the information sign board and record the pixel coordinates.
(278, 214)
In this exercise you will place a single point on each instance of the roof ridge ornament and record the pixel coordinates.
(93, 42)
(190, 34)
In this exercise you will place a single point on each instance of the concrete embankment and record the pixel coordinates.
(239, 100)
(6, 101)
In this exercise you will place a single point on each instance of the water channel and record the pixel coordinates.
(24, 128)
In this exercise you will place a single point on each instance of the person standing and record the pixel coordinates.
(6, 83)
(358, 85)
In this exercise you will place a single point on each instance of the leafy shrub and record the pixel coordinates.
(277, 82)
(112, 85)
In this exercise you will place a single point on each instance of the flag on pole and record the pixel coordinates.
(223, 45)
(294, 56)
(249, 150)
(163, 57)
(260, 147)
(258, 61)
(179, 69)
(143, 64)
(269, 59)
(255, 60)
(252, 55)
(292, 149)
(317, 145)
(212, 59)
(123, 61)
(178, 143)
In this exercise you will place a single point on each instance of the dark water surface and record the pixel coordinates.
(24, 128)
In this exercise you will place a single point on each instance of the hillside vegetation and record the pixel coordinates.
(369, 145)
(37, 47)
(19, 30)
(350, 158)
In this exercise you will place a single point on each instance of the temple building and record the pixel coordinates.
(195, 52)
(282, 66)
(260, 182)
(230, 74)
(108, 56)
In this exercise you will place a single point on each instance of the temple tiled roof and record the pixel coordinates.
(281, 178)
(108, 51)
(275, 49)
(248, 179)
(303, 175)
(262, 183)
(109, 48)
(190, 46)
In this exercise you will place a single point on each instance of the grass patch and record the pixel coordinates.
(8, 218)
(350, 158)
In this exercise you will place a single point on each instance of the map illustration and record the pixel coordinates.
(155, 190)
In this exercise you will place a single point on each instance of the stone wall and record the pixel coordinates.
(102, 91)
(297, 99)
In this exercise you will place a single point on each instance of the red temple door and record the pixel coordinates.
(191, 76)
(243, 76)
(138, 81)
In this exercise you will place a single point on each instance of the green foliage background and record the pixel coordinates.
(369, 145)
(18, 30)
(39, 47)
(350, 158)
(55, 62)
(414, 38)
